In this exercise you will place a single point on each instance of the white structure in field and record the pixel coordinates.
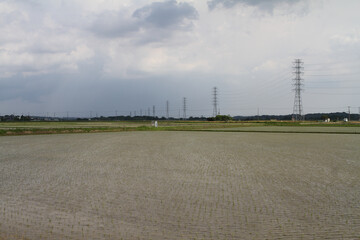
(154, 124)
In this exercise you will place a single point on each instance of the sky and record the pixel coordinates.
(105, 57)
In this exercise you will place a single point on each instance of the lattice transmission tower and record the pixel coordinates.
(167, 109)
(298, 88)
(184, 108)
(215, 102)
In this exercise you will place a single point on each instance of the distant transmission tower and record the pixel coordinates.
(184, 108)
(215, 101)
(298, 108)
(167, 109)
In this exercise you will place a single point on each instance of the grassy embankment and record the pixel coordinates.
(30, 128)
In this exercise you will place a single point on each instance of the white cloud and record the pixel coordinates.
(269, 66)
(267, 6)
(346, 39)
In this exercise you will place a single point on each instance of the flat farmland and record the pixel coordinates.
(49, 127)
(180, 185)
(292, 129)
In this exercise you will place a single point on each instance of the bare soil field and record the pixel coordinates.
(180, 185)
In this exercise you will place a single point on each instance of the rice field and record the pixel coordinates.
(180, 185)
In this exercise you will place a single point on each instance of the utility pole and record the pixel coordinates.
(140, 112)
(349, 112)
(115, 113)
(298, 108)
(167, 109)
(184, 108)
(215, 101)
(149, 112)
(154, 111)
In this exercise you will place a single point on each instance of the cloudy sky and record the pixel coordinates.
(105, 57)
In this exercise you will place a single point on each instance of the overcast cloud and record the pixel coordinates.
(97, 56)
(264, 5)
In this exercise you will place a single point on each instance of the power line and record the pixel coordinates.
(334, 87)
(340, 94)
(333, 81)
(332, 75)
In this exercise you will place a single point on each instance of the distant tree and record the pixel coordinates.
(324, 117)
(220, 118)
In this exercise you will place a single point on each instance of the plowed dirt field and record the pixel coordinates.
(180, 185)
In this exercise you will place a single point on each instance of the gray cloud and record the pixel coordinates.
(114, 24)
(159, 19)
(30, 89)
(265, 5)
(166, 14)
